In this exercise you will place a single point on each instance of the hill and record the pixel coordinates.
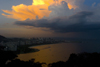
(2, 38)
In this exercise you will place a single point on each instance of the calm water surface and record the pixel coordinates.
(59, 52)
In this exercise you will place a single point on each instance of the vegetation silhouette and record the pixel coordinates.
(29, 63)
(75, 60)
(5, 56)
(80, 60)
(9, 55)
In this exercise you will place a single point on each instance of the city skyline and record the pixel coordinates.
(50, 18)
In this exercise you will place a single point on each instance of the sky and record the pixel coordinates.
(50, 18)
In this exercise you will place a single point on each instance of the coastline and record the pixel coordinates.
(43, 44)
(27, 48)
(22, 49)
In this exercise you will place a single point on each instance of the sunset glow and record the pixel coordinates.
(38, 2)
(71, 6)
(39, 8)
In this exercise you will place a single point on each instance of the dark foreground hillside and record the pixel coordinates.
(75, 60)
(6, 56)
(80, 60)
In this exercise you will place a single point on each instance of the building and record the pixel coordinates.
(12, 46)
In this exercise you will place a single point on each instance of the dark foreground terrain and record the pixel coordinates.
(75, 60)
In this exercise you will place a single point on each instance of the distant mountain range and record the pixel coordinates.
(2, 38)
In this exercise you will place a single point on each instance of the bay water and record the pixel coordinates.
(51, 53)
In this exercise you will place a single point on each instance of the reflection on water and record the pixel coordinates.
(58, 52)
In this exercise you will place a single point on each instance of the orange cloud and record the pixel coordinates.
(38, 8)
(23, 12)
(71, 6)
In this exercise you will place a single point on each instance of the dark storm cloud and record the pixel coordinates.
(76, 23)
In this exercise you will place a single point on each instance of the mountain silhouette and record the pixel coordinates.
(2, 38)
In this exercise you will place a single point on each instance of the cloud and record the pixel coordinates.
(23, 12)
(60, 10)
(38, 8)
(60, 16)
(93, 4)
(76, 23)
